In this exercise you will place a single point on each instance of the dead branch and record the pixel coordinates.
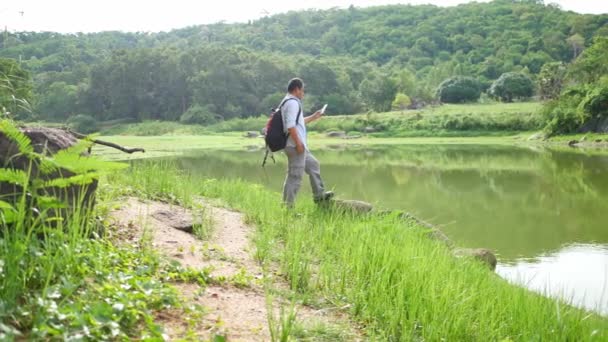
(108, 144)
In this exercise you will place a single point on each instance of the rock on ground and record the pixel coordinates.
(484, 255)
(47, 141)
(352, 206)
(336, 134)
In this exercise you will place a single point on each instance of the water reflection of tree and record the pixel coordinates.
(515, 200)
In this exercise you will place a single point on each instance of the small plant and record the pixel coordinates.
(203, 225)
(280, 327)
(242, 279)
(59, 277)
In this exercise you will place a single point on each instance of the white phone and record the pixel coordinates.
(323, 109)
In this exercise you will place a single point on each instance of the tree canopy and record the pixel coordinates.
(459, 89)
(511, 86)
(583, 105)
(237, 70)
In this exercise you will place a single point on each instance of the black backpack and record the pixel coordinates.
(274, 133)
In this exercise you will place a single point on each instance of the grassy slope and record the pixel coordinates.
(400, 284)
(445, 120)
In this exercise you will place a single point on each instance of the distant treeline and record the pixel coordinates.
(355, 59)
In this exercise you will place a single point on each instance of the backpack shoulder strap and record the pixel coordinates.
(299, 109)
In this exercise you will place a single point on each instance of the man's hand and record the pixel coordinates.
(300, 148)
(293, 133)
(312, 117)
(317, 115)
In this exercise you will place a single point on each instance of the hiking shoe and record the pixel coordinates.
(327, 195)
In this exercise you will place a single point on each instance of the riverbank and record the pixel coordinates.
(462, 120)
(133, 269)
(386, 272)
(480, 123)
(169, 145)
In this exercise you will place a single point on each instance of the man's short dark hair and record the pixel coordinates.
(294, 83)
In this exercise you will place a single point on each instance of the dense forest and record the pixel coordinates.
(356, 59)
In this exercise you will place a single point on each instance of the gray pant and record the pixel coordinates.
(297, 165)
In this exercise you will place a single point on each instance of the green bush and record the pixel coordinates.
(197, 114)
(459, 89)
(578, 108)
(401, 102)
(83, 123)
(596, 101)
(511, 86)
(583, 107)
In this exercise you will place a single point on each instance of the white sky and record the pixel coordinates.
(161, 15)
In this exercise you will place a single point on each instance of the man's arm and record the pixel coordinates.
(293, 133)
(291, 110)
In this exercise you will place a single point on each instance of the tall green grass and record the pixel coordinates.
(385, 271)
(60, 278)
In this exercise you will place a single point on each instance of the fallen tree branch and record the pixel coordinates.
(108, 144)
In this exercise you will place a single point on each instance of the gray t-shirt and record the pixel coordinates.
(289, 111)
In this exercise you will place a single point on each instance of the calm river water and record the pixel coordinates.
(544, 212)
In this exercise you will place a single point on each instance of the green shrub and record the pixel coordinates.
(197, 114)
(83, 123)
(459, 89)
(401, 102)
(560, 119)
(577, 108)
(511, 86)
(596, 102)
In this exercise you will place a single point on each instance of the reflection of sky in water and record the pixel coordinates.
(577, 273)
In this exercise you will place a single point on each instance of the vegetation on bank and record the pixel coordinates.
(62, 275)
(444, 120)
(179, 145)
(65, 278)
(400, 284)
(582, 104)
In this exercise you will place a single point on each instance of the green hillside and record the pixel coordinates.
(357, 59)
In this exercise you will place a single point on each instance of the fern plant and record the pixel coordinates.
(46, 183)
(23, 143)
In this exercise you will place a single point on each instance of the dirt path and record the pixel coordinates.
(237, 308)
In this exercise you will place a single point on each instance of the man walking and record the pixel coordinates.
(299, 158)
